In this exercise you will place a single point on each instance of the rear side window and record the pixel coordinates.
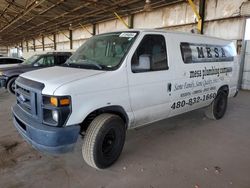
(62, 59)
(205, 53)
(46, 61)
(151, 55)
(14, 61)
(3, 61)
(10, 61)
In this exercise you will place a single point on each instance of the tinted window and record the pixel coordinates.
(62, 59)
(201, 53)
(151, 54)
(10, 61)
(13, 61)
(2, 61)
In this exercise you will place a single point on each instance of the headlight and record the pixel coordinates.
(1, 73)
(56, 110)
(55, 115)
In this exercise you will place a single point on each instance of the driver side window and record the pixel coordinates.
(46, 61)
(151, 55)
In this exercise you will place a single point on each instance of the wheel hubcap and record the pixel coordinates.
(109, 142)
(220, 106)
(13, 86)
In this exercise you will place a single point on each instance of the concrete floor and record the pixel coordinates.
(185, 151)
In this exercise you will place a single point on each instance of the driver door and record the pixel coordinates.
(149, 80)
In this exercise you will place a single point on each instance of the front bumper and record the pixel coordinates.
(53, 140)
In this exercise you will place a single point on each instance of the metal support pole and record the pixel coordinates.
(131, 21)
(43, 43)
(34, 45)
(242, 63)
(71, 39)
(191, 3)
(121, 19)
(94, 29)
(54, 40)
(86, 29)
(27, 46)
(202, 14)
(22, 46)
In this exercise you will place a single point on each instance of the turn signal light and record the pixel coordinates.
(64, 102)
(59, 102)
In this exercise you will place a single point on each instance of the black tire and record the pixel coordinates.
(11, 85)
(218, 107)
(104, 141)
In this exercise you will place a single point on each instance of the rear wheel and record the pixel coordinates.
(104, 141)
(11, 85)
(218, 107)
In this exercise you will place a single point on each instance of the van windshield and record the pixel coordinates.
(102, 52)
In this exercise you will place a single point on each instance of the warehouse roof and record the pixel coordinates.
(25, 19)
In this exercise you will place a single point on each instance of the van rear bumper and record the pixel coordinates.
(52, 140)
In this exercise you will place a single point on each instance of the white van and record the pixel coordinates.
(121, 80)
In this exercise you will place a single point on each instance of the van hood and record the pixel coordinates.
(55, 77)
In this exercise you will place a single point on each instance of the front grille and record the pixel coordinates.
(29, 97)
(26, 99)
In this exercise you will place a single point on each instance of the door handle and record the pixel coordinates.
(169, 87)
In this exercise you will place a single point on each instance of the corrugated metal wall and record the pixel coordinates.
(3, 51)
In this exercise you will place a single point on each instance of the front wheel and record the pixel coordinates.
(218, 107)
(104, 141)
(11, 85)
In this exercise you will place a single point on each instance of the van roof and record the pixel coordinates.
(170, 32)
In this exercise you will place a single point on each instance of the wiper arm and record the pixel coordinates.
(95, 64)
(89, 62)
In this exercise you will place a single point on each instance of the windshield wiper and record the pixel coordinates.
(94, 64)
(87, 63)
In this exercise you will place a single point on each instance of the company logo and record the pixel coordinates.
(22, 98)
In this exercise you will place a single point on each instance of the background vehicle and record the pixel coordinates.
(121, 80)
(8, 75)
(9, 61)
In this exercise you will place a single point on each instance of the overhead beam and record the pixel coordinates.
(199, 19)
(86, 29)
(95, 14)
(40, 13)
(121, 19)
(34, 4)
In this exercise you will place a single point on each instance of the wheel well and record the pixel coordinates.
(224, 88)
(9, 80)
(118, 110)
